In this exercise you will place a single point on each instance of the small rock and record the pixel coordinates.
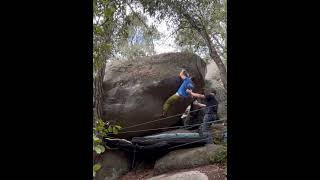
(114, 164)
(189, 175)
(186, 158)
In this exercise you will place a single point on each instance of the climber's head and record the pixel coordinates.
(185, 73)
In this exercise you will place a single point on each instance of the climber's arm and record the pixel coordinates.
(199, 104)
(196, 95)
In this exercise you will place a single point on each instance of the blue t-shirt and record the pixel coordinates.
(186, 84)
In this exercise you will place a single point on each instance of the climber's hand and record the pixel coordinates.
(189, 92)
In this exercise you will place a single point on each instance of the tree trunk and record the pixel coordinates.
(212, 51)
(98, 83)
(98, 92)
(216, 58)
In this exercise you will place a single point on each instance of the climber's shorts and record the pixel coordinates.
(171, 100)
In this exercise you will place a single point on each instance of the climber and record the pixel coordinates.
(181, 93)
(210, 112)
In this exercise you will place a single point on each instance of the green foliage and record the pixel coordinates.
(99, 132)
(115, 23)
(109, 128)
(109, 11)
(99, 149)
(135, 28)
(96, 168)
(102, 18)
(191, 19)
(219, 155)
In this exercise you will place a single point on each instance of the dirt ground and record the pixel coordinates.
(214, 172)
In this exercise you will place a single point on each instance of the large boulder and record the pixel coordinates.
(190, 158)
(113, 165)
(135, 90)
(212, 79)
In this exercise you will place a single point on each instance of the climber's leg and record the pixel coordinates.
(171, 100)
(212, 119)
(205, 128)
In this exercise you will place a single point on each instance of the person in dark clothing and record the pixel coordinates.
(194, 114)
(210, 111)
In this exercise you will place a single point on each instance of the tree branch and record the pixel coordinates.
(136, 14)
(218, 43)
(178, 29)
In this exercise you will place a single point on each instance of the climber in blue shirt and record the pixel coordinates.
(181, 93)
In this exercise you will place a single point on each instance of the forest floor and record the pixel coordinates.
(214, 172)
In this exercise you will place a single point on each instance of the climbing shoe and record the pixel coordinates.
(163, 115)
